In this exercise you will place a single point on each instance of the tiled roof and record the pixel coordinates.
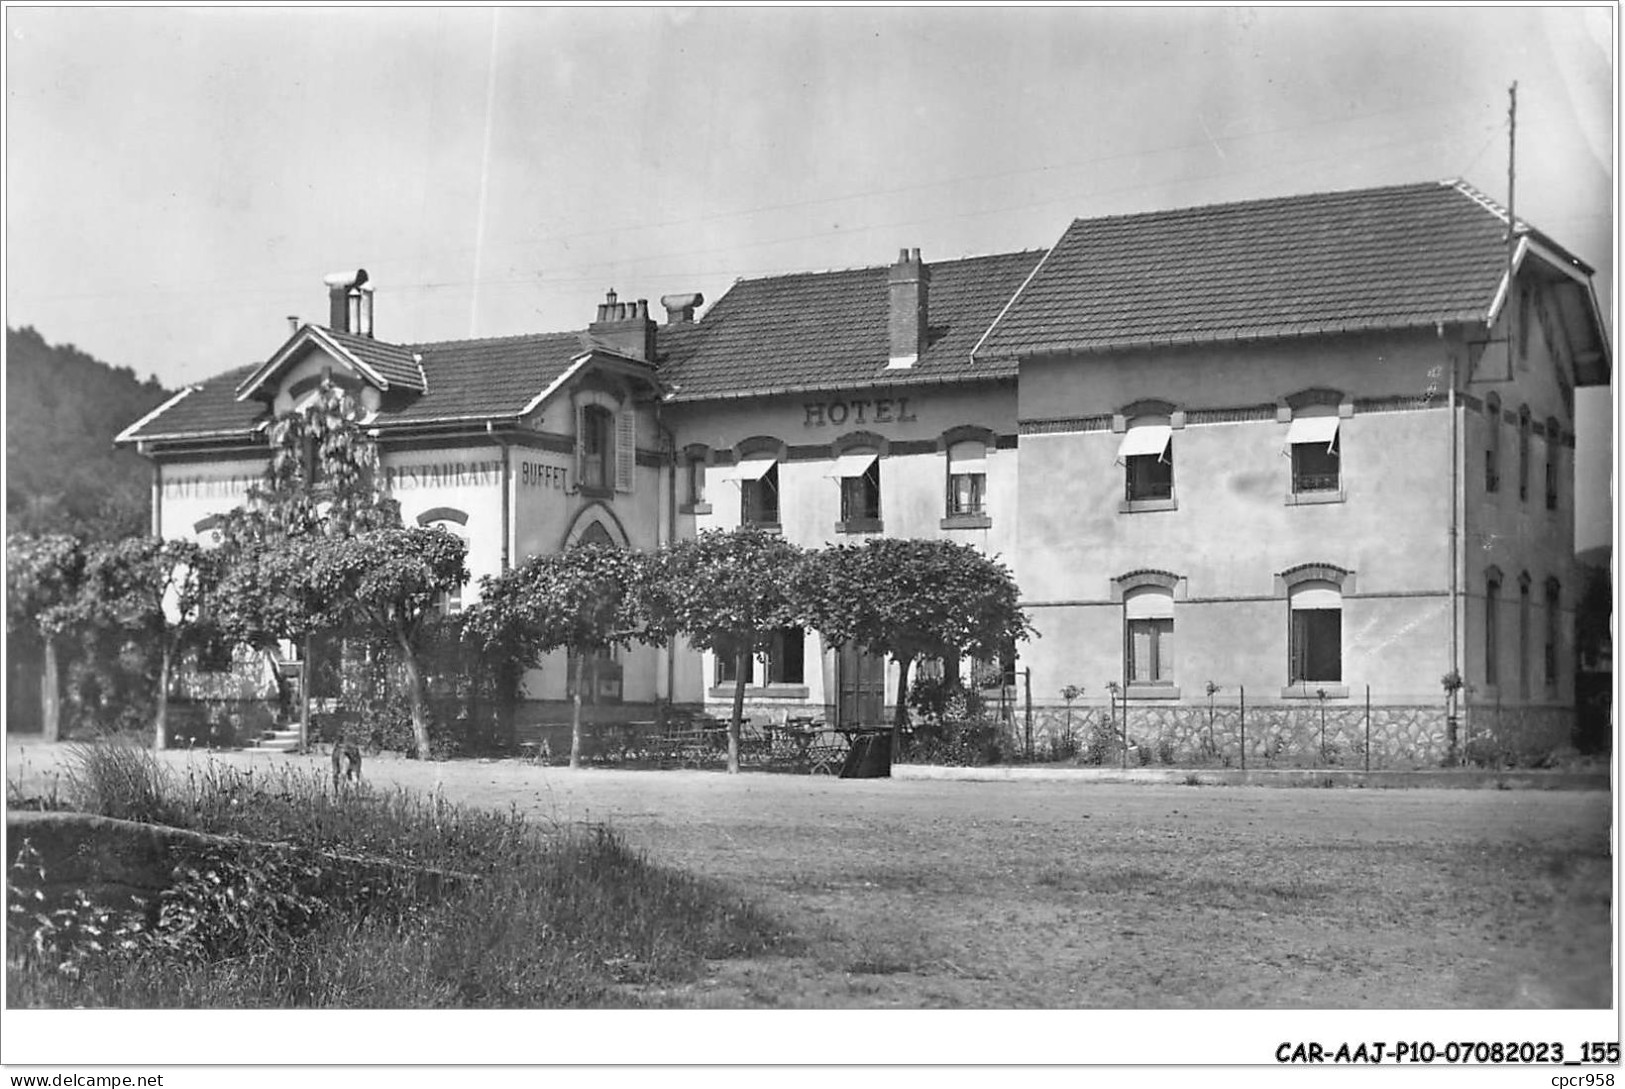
(480, 378)
(468, 379)
(1371, 259)
(393, 363)
(828, 330)
(207, 409)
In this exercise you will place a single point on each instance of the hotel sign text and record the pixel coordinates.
(877, 410)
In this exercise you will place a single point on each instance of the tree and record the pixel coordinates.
(43, 581)
(323, 477)
(909, 600)
(585, 600)
(153, 591)
(390, 581)
(322, 481)
(726, 592)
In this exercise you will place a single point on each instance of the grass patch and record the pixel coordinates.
(556, 916)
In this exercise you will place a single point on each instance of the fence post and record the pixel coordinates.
(1243, 690)
(1029, 677)
(1368, 729)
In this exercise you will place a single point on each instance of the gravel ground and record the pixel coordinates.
(1048, 894)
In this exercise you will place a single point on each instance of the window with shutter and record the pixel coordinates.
(626, 442)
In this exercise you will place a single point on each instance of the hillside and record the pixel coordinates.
(63, 473)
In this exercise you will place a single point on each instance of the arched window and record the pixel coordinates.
(1316, 456)
(1554, 455)
(967, 478)
(1492, 626)
(1553, 628)
(1523, 635)
(1492, 444)
(1523, 452)
(455, 522)
(1147, 457)
(597, 445)
(1315, 636)
(1148, 636)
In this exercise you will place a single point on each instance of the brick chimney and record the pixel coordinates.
(680, 308)
(909, 284)
(344, 298)
(625, 328)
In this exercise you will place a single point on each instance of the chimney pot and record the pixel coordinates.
(680, 308)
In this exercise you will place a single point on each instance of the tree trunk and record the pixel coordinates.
(304, 693)
(900, 716)
(575, 712)
(51, 695)
(161, 728)
(741, 658)
(414, 695)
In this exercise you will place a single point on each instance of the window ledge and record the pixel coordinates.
(1311, 690)
(966, 521)
(1134, 506)
(765, 527)
(860, 525)
(593, 492)
(761, 691)
(694, 508)
(1304, 499)
(1153, 691)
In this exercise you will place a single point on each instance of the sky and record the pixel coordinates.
(179, 180)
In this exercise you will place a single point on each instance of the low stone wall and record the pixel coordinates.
(1291, 735)
(114, 862)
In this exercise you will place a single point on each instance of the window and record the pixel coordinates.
(601, 680)
(758, 480)
(454, 522)
(1523, 635)
(967, 478)
(988, 673)
(785, 657)
(1492, 447)
(1554, 452)
(1523, 452)
(1316, 458)
(1148, 458)
(596, 447)
(1553, 620)
(1315, 639)
(727, 651)
(1149, 636)
(694, 477)
(1492, 628)
(858, 471)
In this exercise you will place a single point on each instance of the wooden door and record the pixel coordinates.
(861, 684)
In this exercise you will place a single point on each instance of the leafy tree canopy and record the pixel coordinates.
(724, 588)
(43, 582)
(913, 599)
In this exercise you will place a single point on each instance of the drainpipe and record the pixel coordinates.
(157, 495)
(507, 476)
(1452, 710)
(671, 537)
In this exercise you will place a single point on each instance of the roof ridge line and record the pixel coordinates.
(1257, 201)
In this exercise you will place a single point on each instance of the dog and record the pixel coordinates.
(346, 763)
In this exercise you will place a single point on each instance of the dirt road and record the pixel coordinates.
(1060, 894)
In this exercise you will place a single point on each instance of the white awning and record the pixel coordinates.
(1145, 439)
(850, 465)
(1313, 430)
(751, 469)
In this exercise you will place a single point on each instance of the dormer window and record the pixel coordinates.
(596, 447)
